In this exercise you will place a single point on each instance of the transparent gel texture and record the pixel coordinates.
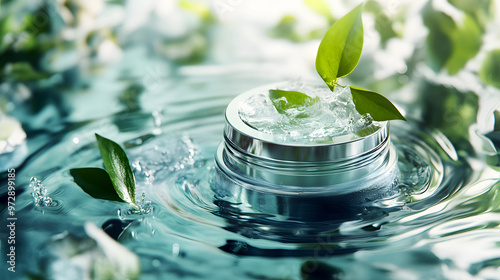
(332, 114)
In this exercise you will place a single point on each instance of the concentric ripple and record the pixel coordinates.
(192, 232)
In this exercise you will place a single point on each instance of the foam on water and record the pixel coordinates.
(324, 115)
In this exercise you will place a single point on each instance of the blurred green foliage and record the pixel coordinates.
(451, 111)
(287, 28)
(490, 69)
(199, 9)
(20, 51)
(450, 45)
(383, 24)
(321, 8)
(481, 11)
(23, 72)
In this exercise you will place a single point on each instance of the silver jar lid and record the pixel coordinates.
(247, 140)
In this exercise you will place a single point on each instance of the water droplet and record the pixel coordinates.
(39, 193)
(175, 249)
(144, 207)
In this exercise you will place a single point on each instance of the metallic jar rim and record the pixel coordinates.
(249, 140)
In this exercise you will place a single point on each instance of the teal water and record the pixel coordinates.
(441, 223)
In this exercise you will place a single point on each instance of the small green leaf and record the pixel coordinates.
(379, 107)
(96, 183)
(118, 168)
(284, 100)
(490, 69)
(340, 48)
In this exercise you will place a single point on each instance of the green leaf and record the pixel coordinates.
(379, 107)
(284, 100)
(340, 49)
(118, 168)
(490, 69)
(96, 183)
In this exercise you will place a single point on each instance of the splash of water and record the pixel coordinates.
(40, 194)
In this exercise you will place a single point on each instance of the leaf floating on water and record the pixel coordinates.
(96, 183)
(118, 167)
(379, 107)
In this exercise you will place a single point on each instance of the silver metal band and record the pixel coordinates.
(333, 161)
